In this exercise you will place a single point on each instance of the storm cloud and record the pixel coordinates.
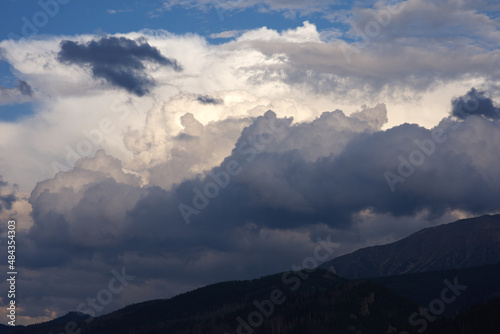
(298, 174)
(323, 172)
(118, 60)
(290, 184)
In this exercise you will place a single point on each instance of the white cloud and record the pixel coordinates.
(227, 34)
(293, 72)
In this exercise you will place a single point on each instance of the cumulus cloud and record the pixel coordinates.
(118, 60)
(286, 188)
(292, 72)
(315, 165)
(323, 172)
(291, 183)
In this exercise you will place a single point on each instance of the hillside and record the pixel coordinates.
(482, 286)
(321, 303)
(462, 244)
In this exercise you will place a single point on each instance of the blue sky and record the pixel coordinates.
(116, 115)
(89, 17)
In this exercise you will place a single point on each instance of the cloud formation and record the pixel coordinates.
(19, 94)
(301, 181)
(25, 88)
(475, 103)
(206, 99)
(6, 200)
(324, 172)
(118, 60)
(289, 8)
(320, 172)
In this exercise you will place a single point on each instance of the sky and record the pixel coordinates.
(186, 142)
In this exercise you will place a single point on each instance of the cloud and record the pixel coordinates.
(25, 88)
(474, 103)
(227, 34)
(292, 72)
(19, 94)
(118, 60)
(6, 200)
(288, 8)
(206, 99)
(320, 172)
(291, 188)
(118, 11)
(446, 22)
(297, 181)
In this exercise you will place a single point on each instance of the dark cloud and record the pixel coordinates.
(118, 60)
(206, 99)
(284, 190)
(283, 183)
(25, 88)
(292, 183)
(475, 102)
(19, 94)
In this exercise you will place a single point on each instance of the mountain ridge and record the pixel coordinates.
(460, 244)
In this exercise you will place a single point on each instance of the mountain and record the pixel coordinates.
(454, 266)
(54, 326)
(316, 302)
(71, 316)
(482, 285)
(462, 244)
(4, 329)
(482, 318)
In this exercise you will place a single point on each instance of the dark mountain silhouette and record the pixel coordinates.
(321, 303)
(483, 284)
(48, 327)
(462, 244)
(463, 254)
(4, 329)
(483, 318)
